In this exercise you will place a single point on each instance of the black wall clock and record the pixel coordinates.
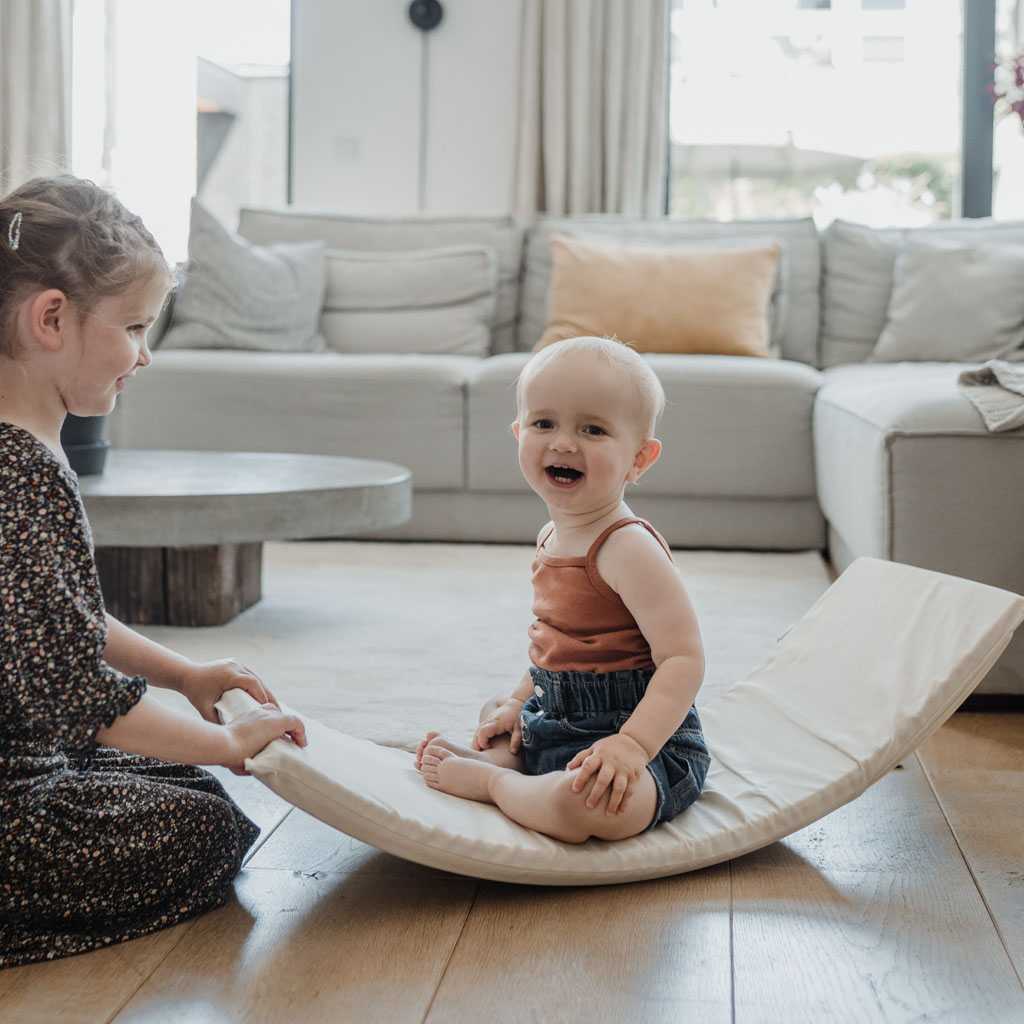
(426, 14)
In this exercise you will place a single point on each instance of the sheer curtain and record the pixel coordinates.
(592, 133)
(35, 88)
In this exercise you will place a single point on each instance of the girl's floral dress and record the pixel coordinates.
(96, 846)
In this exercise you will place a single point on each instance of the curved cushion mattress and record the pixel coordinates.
(879, 662)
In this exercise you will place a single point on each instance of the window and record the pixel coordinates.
(171, 101)
(847, 109)
(1008, 140)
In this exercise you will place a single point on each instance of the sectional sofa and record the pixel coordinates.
(851, 437)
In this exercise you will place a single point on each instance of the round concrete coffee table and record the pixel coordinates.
(179, 534)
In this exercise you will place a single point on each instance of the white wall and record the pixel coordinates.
(356, 81)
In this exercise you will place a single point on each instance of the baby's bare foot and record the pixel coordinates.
(450, 772)
(436, 739)
(424, 743)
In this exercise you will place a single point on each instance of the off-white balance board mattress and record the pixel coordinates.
(878, 663)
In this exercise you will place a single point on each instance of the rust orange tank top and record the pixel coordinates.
(582, 625)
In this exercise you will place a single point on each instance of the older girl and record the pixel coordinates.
(107, 831)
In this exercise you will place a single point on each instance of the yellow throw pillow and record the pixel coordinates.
(711, 301)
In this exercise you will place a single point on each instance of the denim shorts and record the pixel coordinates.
(571, 710)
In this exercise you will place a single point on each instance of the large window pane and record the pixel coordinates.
(844, 109)
(242, 88)
(1008, 142)
(170, 101)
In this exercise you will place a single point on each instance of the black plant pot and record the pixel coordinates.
(81, 437)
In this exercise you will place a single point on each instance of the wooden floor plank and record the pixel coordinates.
(649, 951)
(977, 741)
(84, 989)
(984, 813)
(342, 937)
(894, 826)
(863, 947)
(976, 767)
(870, 915)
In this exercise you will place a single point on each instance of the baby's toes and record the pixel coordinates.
(430, 769)
(424, 743)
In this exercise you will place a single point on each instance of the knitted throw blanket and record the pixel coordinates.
(997, 390)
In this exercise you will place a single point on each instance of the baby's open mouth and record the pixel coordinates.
(563, 474)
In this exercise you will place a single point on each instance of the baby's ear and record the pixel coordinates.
(515, 428)
(646, 456)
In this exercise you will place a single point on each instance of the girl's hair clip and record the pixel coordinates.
(14, 231)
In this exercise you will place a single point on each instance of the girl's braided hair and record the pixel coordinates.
(67, 233)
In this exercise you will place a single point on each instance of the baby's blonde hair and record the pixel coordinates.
(67, 233)
(617, 357)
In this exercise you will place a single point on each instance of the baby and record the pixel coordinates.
(600, 737)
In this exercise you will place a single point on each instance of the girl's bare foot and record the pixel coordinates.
(437, 740)
(451, 772)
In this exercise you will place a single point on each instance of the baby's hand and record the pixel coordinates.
(617, 761)
(504, 720)
(251, 732)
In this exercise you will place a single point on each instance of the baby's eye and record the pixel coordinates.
(137, 329)
(543, 424)
(594, 431)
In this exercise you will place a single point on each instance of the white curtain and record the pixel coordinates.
(592, 132)
(35, 88)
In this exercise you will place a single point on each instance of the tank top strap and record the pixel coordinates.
(629, 521)
(544, 539)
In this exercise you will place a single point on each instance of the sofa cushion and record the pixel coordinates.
(954, 303)
(424, 300)
(395, 234)
(237, 295)
(857, 274)
(779, 296)
(733, 427)
(907, 470)
(686, 300)
(406, 409)
(795, 324)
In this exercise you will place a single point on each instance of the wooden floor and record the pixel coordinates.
(905, 905)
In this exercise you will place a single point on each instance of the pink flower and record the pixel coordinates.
(1007, 87)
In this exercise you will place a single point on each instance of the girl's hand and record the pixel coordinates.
(251, 732)
(204, 684)
(616, 763)
(504, 720)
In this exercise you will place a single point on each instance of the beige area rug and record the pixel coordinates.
(388, 640)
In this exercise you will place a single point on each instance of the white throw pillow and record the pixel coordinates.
(857, 265)
(954, 304)
(237, 295)
(857, 276)
(438, 301)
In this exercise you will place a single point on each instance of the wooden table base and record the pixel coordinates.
(193, 586)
